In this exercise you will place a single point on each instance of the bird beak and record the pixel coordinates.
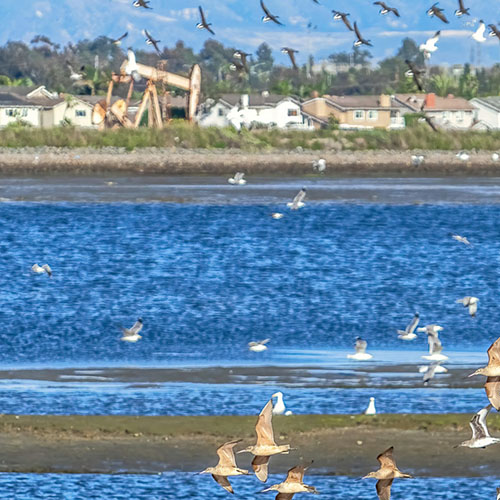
(472, 374)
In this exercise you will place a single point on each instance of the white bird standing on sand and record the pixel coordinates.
(298, 201)
(319, 165)
(408, 332)
(471, 303)
(42, 269)
(294, 483)
(417, 160)
(132, 334)
(258, 346)
(279, 408)
(461, 239)
(371, 410)
(360, 348)
(478, 35)
(429, 47)
(495, 157)
(131, 66)
(237, 179)
(480, 435)
(463, 156)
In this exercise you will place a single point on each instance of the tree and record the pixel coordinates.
(409, 50)
(468, 83)
(442, 85)
(265, 60)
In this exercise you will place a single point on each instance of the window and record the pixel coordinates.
(372, 115)
(293, 112)
(460, 116)
(359, 114)
(221, 112)
(16, 112)
(80, 112)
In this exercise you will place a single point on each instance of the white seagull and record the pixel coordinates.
(279, 408)
(435, 346)
(408, 332)
(237, 179)
(461, 239)
(277, 215)
(439, 369)
(258, 346)
(478, 35)
(319, 165)
(42, 269)
(360, 348)
(298, 201)
(430, 371)
(132, 334)
(371, 410)
(495, 157)
(480, 435)
(131, 66)
(74, 75)
(417, 160)
(429, 47)
(471, 303)
(463, 156)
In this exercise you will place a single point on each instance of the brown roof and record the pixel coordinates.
(450, 103)
(359, 102)
(254, 99)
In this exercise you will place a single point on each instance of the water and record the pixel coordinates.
(181, 486)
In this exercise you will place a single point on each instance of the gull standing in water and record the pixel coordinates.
(279, 408)
(480, 435)
(265, 446)
(258, 346)
(298, 201)
(360, 348)
(492, 372)
(386, 474)
(237, 179)
(371, 410)
(408, 332)
(294, 483)
(132, 334)
(471, 303)
(226, 466)
(42, 269)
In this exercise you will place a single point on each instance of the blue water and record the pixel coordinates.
(182, 486)
(208, 279)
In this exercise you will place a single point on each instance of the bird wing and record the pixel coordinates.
(155, 45)
(494, 353)
(382, 4)
(440, 15)
(386, 459)
(284, 496)
(482, 28)
(461, 5)
(226, 454)
(263, 342)
(299, 197)
(259, 466)
(434, 39)
(478, 423)
(347, 22)
(264, 8)
(492, 388)
(121, 37)
(296, 474)
(208, 28)
(356, 30)
(435, 345)
(360, 346)
(395, 11)
(136, 328)
(431, 370)
(291, 55)
(203, 20)
(384, 489)
(224, 482)
(472, 308)
(148, 36)
(264, 426)
(413, 324)
(495, 30)
(47, 269)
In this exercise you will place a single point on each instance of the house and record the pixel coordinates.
(487, 112)
(357, 112)
(78, 111)
(267, 110)
(447, 112)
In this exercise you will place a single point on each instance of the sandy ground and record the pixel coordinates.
(339, 444)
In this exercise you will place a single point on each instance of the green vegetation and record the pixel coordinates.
(181, 134)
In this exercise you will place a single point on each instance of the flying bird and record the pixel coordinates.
(74, 75)
(118, 41)
(431, 371)
(439, 13)
(226, 466)
(360, 353)
(237, 179)
(42, 269)
(298, 201)
(494, 31)
(151, 41)
(480, 435)
(131, 66)
(471, 303)
(132, 334)
(461, 239)
(243, 56)
(268, 16)
(461, 11)
(258, 346)
(360, 40)
(142, 3)
(203, 24)
(478, 35)
(294, 483)
(291, 54)
(429, 47)
(409, 332)
(415, 73)
(342, 16)
(385, 9)
(237, 66)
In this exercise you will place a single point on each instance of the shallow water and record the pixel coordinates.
(181, 486)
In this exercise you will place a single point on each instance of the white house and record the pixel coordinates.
(268, 110)
(487, 112)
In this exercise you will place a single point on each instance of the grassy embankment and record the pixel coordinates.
(183, 135)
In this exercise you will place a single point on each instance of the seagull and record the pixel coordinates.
(268, 16)
(439, 369)
(494, 31)
(430, 329)
(429, 47)
(386, 474)
(73, 74)
(461, 239)
(480, 435)
(319, 165)
(436, 11)
(409, 332)
(118, 41)
(265, 446)
(42, 269)
(431, 371)
(203, 24)
(471, 303)
(461, 9)
(237, 179)
(371, 410)
(417, 160)
(435, 346)
(132, 334)
(298, 201)
(226, 466)
(360, 40)
(277, 215)
(279, 408)
(478, 35)
(243, 56)
(294, 483)
(142, 3)
(360, 348)
(342, 16)
(492, 372)
(131, 66)
(495, 156)
(151, 41)
(385, 9)
(291, 54)
(415, 73)
(258, 346)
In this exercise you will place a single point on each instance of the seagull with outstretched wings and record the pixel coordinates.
(203, 25)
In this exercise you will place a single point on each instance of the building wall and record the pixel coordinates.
(462, 119)
(12, 114)
(486, 114)
(79, 114)
(319, 107)
(216, 117)
(371, 118)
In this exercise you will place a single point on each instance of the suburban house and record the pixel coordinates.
(447, 112)
(357, 112)
(268, 110)
(487, 112)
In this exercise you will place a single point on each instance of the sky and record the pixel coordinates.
(238, 23)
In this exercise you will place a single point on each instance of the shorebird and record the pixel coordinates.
(471, 303)
(480, 435)
(415, 73)
(408, 332)
(429, 47)
(439, 13)
(319, 165)
(132, 334)
(385, 9)
(417, 160)
(298, 201)
(478, 35)
(492, 372)
(461, 239)
(431, 371)
(203, 25)
(463, 156)
(294, 483)
(291, 54)
(267, 17)
(461, 11)
(277, 215)
(131, 66)
(265, 446)
(386, 474)
(498, 493)
(279, 408)
(371, 410)
(151, 41)
(118, 41)
(42, 269)
(258, 346)
(237, 179)
(226, 466)
(360, 40)
(142, 3)
(342, 16)
(360, 348)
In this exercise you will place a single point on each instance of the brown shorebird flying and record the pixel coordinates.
(386, 474)
(439, 13)
(118, 41)
(226, 466)
(142, 3)
(265, 446)
(291, 54)
(203, 24)
(360, 40)
(294, 483)
(480, 435)
(461, 9)
(268, 16)
(385, 9)
(342, 16)
(415, 73)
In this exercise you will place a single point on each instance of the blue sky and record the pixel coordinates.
(238, 23)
